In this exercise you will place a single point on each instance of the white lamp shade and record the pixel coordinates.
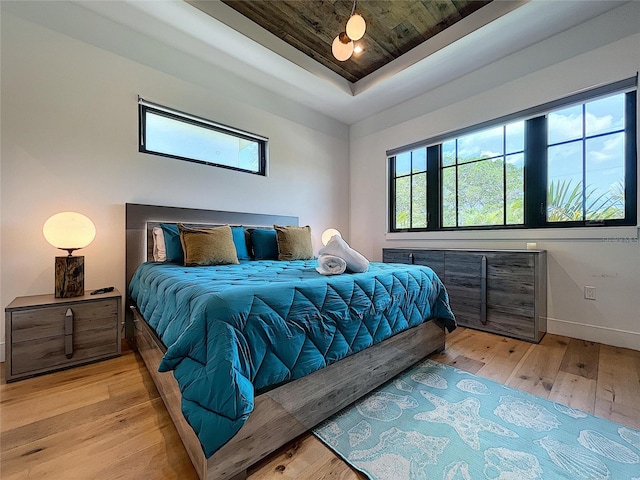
(342, 51)
(69, 230)
(328, 233)
(356, 27)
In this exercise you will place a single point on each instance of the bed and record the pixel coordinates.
(228, 322)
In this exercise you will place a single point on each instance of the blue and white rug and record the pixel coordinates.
(437, 422)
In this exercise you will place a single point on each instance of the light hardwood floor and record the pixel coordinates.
(107, 421)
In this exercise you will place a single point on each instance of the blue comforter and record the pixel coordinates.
(235, 329)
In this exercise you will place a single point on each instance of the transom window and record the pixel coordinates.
(572, 162)
(170, 133)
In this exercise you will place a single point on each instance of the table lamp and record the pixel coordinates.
(69, 231)
(328, 233)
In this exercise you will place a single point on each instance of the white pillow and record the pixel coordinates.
(159, 249)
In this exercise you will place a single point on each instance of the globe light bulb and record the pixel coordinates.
(356, 27)
(69, 231)
(342, 47)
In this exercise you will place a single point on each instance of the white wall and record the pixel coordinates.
(69, 142)
(612, 264)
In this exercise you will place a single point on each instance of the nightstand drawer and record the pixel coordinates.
(46, 333)
(49, 352)
(49, 321)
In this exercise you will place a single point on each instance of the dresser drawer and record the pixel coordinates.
(390, 255)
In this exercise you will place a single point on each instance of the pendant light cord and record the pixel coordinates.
(354, 8)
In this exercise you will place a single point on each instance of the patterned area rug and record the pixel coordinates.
(437, 422)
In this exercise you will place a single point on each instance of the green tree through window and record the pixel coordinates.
(483, 178)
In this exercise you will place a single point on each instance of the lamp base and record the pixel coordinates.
(69, 277)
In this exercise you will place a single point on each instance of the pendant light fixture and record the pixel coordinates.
(342, 46)
(356, 26)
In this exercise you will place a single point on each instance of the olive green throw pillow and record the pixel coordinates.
(294, 243)
(208, 246)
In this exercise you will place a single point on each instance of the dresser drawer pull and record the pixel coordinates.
(68, 333)
(483, 290)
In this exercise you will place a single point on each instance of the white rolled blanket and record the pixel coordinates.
(331, 265)
(356, 262)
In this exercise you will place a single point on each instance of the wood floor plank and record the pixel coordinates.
(574, 391)
(126, 389)
(36, 407)
(94, 438)
(159, 461)
(581, 358)
(465, 363)
(305, 457)
(469, 350)
(507, 355)
(537, 370)
(451, 351)
(619, 376)
(70, 378)
(479, 346)
(122, 430)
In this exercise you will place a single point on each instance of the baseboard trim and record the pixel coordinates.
(594, 333)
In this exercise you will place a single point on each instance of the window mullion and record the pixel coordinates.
(411, 190)
(584, 162)
(631, 156)
(457, 187)
(504, 175)
(392, 194)
(434, 187)
(535, 172)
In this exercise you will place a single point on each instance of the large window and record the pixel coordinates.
(572, 162)
(170, 133)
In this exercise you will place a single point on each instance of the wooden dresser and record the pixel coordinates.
(44, 333)
(498, 291)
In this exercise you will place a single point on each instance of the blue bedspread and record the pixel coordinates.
(234, 329)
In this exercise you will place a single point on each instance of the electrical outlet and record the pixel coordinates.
(589, 292)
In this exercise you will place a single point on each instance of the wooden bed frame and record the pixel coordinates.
(281, 414)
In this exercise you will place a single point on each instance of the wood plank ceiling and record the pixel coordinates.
(393, 26)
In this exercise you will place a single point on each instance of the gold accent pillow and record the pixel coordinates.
(294, 243)
(207, 246)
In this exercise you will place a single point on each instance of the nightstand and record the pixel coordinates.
(44, 333)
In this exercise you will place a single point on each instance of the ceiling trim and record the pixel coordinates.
(181, 26)
(238, 22)
(448, 36)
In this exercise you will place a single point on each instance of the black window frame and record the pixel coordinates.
(145, 106)
(535, 164)
(392, 189)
